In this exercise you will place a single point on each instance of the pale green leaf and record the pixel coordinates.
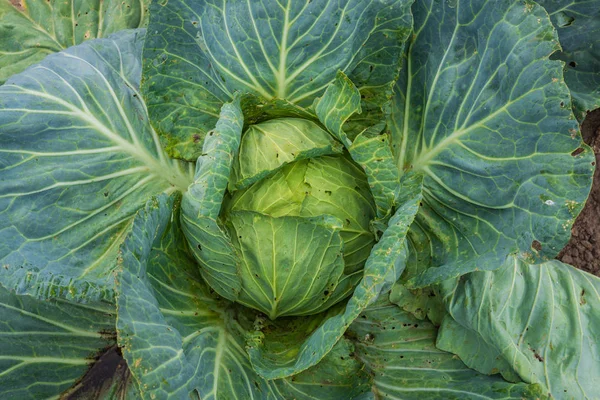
(178, 338)
(374, 154)
(383, 267)
(483, 113)
(339, 102)
(32, 29)
(78, 159)
(542, 320)
(327, 185)
(268, 146)
(290, 265)
(371, 151)
(46, 346)
(399, 351)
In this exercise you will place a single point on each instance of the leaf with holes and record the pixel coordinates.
(400, 352)
(294, 199)
(199, 53)
(486, 116)
(541, 320)
(32, 29)
(79, 158)
(578, 25)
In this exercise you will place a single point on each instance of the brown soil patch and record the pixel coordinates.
(583, 250)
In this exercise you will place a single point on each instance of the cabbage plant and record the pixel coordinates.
(321, 199)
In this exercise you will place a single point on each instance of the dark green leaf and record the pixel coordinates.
(32, 29)
(46, 346)
(199, 53)
(78, 159)
(578, 25)
(479, 110)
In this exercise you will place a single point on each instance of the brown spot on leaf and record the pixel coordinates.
(18, 4)
(536, 355)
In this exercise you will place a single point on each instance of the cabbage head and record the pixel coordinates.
(295, 199)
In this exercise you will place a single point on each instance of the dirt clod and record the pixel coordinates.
(583, 250)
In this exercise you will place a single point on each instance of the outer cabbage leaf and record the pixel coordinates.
(79, 158)
(289, 347)
(199, 53)
(399, 351)
(486, 116)
(210, 243)
(46, 346)
(578, 26)
(338, 376)
(542, 320)
(32, 29)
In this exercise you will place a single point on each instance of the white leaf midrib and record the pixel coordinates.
(154, 166)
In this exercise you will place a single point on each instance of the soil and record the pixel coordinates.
(583, 250)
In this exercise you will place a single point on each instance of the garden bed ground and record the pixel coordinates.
(583, 250)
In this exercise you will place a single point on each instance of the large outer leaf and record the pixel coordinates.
(399, 351)
(199, 52)
(382, 269)
(484, 114)
(45, 346)
(32, 29)
(540, 319)
(578, 26)
(78, 158)
(153, 350)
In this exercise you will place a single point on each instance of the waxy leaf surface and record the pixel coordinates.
(578, 25)
(78, 157)
(485, 115)
(32, 29)
(48, 345)
(399, 352)
(200, 52)
(541, 320)
(382, 269)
